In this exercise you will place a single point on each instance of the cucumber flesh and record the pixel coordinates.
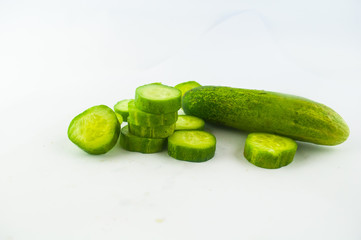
(158, 98)
(269, 150)
(186, 86)
(134, 143)
(186, 122)
(96, 130)
(121, 108)
(162, 131)
(192, 145)
(142, 118)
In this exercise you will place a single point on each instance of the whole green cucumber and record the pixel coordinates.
(263, 111)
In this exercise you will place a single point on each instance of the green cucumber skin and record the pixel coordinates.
(263, 111)
(141, 118)
(190, 155)
(163, 131)
(133, 143)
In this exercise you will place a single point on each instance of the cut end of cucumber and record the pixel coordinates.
(193, 145)
(96, 130)
(186, 86)
(158, 98)
(158, 92)
(269, 150)
(121, 108)
(187, 122)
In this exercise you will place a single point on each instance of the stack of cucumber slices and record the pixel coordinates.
(152, 123)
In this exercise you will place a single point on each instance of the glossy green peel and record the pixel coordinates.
(192, 145)
(269, 151)
(261, 111)
(96, 130)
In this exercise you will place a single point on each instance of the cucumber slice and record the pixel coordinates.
(121, 108)
(193, 145)
(134, 143)
(186, 122)
(163, 131)
(269, 151)
(120, 118)
(158, 98)
(186, 86)
(142, 118)
(96, 130)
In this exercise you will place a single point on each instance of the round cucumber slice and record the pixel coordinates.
(96, 130)
(142, 118)
(163, 131)
(269, 150)
(186, 86)
(121, 108)
(158, 98)
(186, 122)
(134, 143)
(193, 145)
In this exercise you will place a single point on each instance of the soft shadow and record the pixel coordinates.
(306, 151)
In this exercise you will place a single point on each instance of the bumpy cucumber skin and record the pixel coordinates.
(141, 118)
(262, 111)
(100, 149)
(265, 158)
(133, 143)
(157, 106)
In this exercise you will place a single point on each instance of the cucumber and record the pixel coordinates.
(262, 111)
(96, 130)
(193, 145)
(269, 151)
(186, 86)
(186, 122)
(120, 118)
(158, 98)
(134, 143)
(142, 118)
(162, 131)
(121, 108)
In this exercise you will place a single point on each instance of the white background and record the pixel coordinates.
(58, 58)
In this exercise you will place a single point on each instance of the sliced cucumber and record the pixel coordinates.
(193, 145)
(120, 118)
(96, 130)
(121, 108)
(186, 122)
(142, 118)
(268, 150)
(158, 98)
(186, 86)
(134, 143)
(163, 131)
